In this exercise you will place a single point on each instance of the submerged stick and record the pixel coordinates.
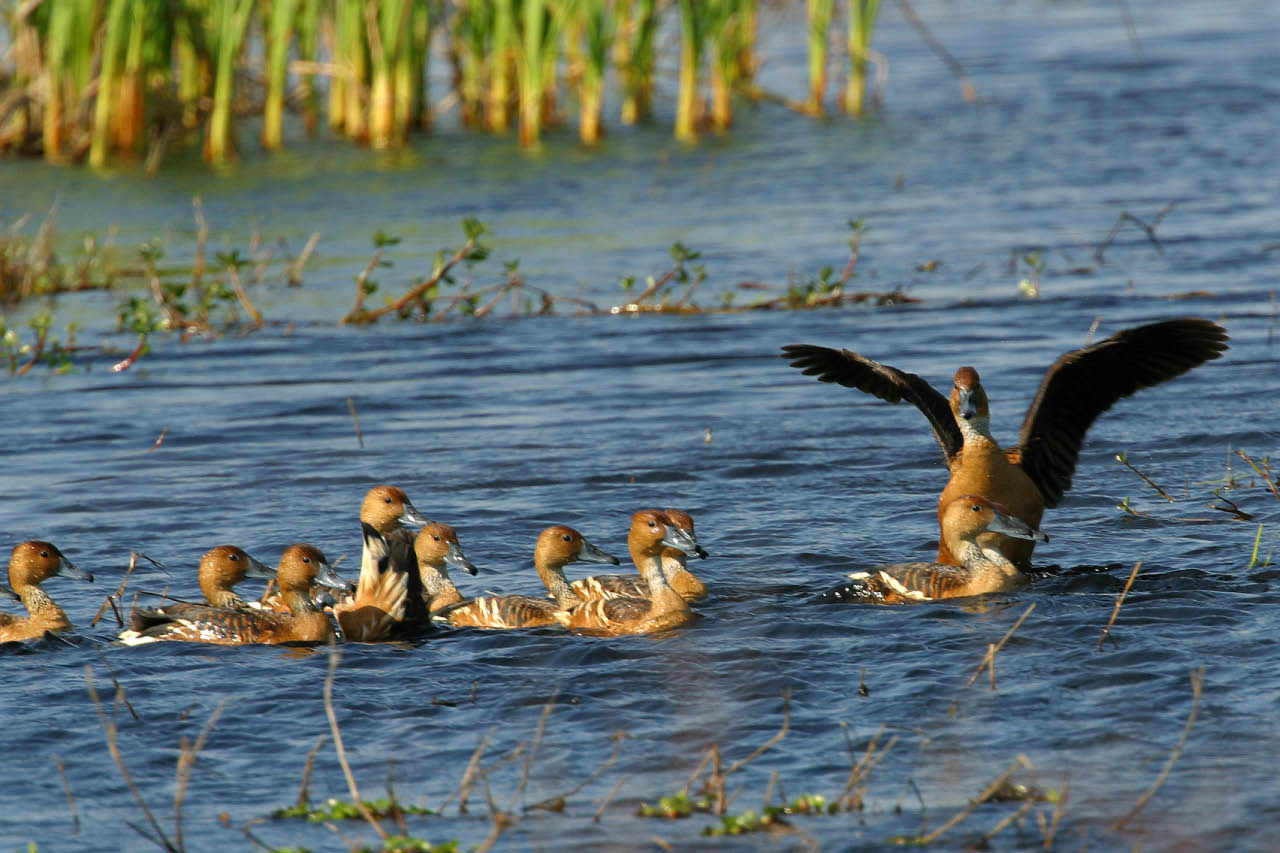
(992, 651)
(334, 657)
(980, 799)
(1123, 459)
(351, 407)
(113, 747)
(188, 752)
(71, 801)
(1106, 632)
(967, 90)
(1197, 682)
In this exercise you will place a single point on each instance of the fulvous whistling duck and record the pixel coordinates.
(1076, 389)
(980, 570)
(436, 548)
(557, 546)
(674, 563)
(387, 509)
(651, 531)
(300, 568)
(30, 564)
(373, 613)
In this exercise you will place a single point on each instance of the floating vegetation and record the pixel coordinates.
(334, 809)
(119, 80)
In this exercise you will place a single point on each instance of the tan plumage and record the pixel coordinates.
(1076, 389)
(300, 567)
(981, 570)
(557, 546)
(436, 549)
(30, 564)
(387, 509)
(674, 563)
(373, 613)
(650, 532)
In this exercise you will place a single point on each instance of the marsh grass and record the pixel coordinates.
(118, 81)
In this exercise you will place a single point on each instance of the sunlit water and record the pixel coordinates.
(503, 427)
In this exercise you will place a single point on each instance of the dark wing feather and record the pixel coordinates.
(1084, 383)
(888, 383)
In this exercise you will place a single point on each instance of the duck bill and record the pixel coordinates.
(678, 539)
(454, 557)
(591, 554)
(259, 569)
(966, 406)
(70, 570)
(326, 576)
(412, 516)
(1013, 527)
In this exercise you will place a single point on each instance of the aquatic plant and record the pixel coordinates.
(102, 81)
(862, 21)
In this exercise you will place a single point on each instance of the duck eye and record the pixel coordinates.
(386, 500)
(306, 559)
(234, 558)
(566, 537)
(437, 538)
(976, 508)
(44, 553)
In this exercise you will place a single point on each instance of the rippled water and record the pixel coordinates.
(501, 428)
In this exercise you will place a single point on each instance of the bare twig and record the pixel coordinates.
(304, 793)
(1106, 632)
(967, 90)
(1058, 812)
(1008, 819)
(188, 752)
(993, 650)
(334, 657)
(1020, 761)
(109, 728)
(468, 776)
(1126, 216)
(358, 315)
(294, 274)
(1197, 683)
(351, 407)
(613, 792)
(557, 802)
(133, 562)
(115, 682)
(71, 801)
(1123, 459)
(159, 440)
(1263, 472)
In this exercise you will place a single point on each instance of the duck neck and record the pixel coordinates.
(226, 599)
(297, 600)
(976, 558)
(435, 580)
(663, 596)
(38, 603)
(976, 429)
(552, 575)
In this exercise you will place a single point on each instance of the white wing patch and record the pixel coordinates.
(893, 584)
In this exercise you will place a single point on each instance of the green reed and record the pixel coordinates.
(111, 80)
(862, 22)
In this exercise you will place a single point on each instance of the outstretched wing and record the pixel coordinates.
(1084, 383)
(851, 370)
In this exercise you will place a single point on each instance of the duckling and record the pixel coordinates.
(674, 563)
(301, 566)
(436, 548)
(387, 509)
(982, 568)
(557, 546)
(30, 564)
(378, 606)
(1076, 389)
(651, 531)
